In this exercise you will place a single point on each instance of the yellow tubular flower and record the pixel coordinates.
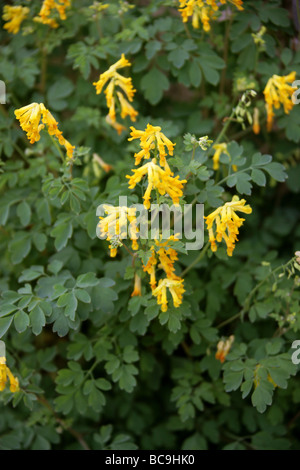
(220, 148)
(137, 291)
(176, 289)
(6, 374)
(150, 139)
(47, 8)
(110, 73)
(150, 269)
(277, 92)
(159, 179)
(227, 223)
(30, 117)
(14, 16)
(114, 226)
(236, 3)
(223, 348)
(127, 109)
(256, 126)
(116, 125)
(125, 84)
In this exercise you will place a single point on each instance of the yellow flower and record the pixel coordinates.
(203, 11)
(5, 374)
(159, 179)
(110, 73)
(256, 126)
(150, 139)
(163, 257)
(150, 269)
(223, 348)
(69, 148)
(227, 223)
(127, 109)
(220, 148)
(277, 92)
(125, 84)
(176, 289)
(14, 15)
(236, 3)
(114, 226)
(116, 125)
(30, 117)
(47, 8)
(137, 291)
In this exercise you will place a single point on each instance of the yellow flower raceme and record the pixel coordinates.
(14, 16)
(158, 178)
(114, 226)
(150, 139)
(203, 11)
(227, 223)
(223, 348)
(6, 374)
(114, 80)
(50, 6)
(277, 92)
(33, 119)
(175, 286)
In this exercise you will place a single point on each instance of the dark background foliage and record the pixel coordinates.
(99, 369)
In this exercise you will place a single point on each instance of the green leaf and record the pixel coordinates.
(87, 280)
(19, 247)
(153, 84)
(5, 324)
(62, 232)
(277, 171)
(24, 213)
(82, 295)
(258, 177)
(58, 91)
(21, 321)
(37, 320)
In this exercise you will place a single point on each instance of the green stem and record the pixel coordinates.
(245, 309)
(197, 260)
(58, 148)
(224, 130)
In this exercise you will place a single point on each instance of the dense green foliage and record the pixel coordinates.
(98, 368)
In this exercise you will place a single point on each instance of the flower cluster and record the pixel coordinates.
(47, 9)
(227, 223)
(14, 16)
(115, 96)
(114, 226)
(163, 257)
(160, 177)
(223, 348)
(203, 11)
(6, 374)
(150, 139)
(277, 92)
(33, 119)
